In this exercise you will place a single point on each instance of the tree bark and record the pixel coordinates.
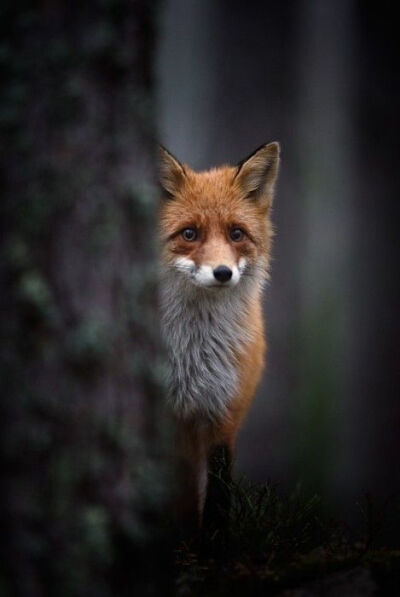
(80, 356)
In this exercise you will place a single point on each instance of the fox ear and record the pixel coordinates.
(171, 171)
(258, 173)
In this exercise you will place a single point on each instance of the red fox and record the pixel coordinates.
(216, 233)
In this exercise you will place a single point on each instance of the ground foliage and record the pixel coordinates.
(284, 543)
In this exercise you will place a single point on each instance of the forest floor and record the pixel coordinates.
(271, 544)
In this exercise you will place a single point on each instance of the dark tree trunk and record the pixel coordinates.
(80, 356)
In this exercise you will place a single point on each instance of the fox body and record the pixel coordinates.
(216, 237)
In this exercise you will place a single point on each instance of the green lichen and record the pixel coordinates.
(89, 344)
(73, 406)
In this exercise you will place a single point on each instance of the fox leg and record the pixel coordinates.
(187, 510)
(218, 497)
(192, 479)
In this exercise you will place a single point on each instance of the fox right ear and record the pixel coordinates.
(172, 173)
(257, 174)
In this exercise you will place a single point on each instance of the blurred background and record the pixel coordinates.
(321, 78)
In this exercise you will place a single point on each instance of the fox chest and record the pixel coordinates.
(204, 343)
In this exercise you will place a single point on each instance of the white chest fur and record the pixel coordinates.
(204, 331)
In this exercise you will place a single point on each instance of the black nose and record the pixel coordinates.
(222, 273)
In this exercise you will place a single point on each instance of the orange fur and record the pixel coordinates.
(213, 203)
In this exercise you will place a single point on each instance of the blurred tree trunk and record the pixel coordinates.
(376, 316)
(325, 139)
(80, 356)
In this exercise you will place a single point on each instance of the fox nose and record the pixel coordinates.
(222, 273)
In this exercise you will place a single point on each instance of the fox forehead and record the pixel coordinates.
(212, 183)
(209, 191)
(211, 200)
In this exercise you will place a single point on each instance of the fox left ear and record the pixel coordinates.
(258, 173)
(171, 171)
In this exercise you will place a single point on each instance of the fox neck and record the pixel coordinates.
(205, 332)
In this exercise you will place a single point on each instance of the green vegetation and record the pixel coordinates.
(275, 542)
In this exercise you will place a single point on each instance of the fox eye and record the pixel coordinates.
(236, 234)
(189, 234)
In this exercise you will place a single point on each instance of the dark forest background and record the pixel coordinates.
(321, 78)
(87, 89)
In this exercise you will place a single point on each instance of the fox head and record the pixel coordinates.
(215, 225)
